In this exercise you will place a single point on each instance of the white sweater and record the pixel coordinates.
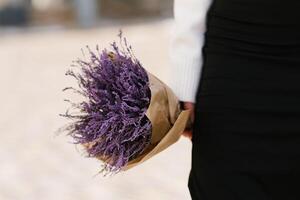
(186, 42)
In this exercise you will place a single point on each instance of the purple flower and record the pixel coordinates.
(112, 124)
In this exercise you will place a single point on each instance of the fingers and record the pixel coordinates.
(190, 106)
(187, 134)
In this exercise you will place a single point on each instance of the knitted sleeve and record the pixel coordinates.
(186, 41)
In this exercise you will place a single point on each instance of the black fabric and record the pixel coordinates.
(246, 135)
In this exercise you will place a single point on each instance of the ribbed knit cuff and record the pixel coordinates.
(184, 74)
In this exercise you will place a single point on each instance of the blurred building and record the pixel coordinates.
(14, 12)
(134, 8)
(81, 12)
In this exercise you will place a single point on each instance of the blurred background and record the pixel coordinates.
(38, 41)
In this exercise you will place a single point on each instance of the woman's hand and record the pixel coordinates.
(188, 131)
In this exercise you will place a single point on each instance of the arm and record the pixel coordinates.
(187, 38)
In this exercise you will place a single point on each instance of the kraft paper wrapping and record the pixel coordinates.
(168, 120)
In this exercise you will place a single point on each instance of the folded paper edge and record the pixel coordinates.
(170, 138)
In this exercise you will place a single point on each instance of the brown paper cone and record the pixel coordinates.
(168, 121)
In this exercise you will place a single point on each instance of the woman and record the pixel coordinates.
(239, 62)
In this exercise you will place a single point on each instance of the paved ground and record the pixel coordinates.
(36, 164)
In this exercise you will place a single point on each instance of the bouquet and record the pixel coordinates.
(128, 115)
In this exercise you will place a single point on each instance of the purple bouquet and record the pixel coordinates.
(128, 115)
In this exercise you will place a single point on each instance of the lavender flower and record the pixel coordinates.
(112, 124)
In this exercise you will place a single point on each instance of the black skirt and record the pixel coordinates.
(246, 134)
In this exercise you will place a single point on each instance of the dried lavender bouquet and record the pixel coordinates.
(128, 115)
